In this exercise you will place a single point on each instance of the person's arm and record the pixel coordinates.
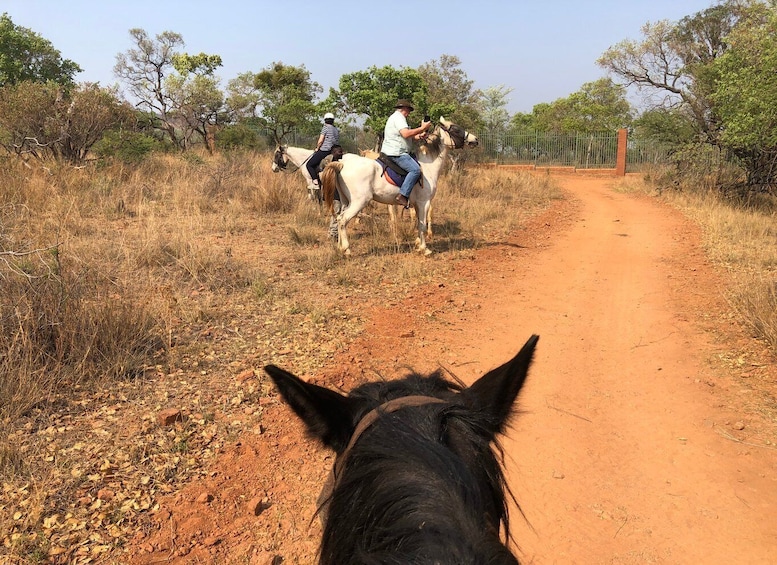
(407, 132)
(319, 142)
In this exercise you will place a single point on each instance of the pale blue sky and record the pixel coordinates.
(543, 50)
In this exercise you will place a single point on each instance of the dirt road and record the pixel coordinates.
(632, 447)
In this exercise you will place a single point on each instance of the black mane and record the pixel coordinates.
(420, 484)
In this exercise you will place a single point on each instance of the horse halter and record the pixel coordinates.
(457, 133)
(279, 160)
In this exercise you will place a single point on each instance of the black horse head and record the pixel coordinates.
(418, 476)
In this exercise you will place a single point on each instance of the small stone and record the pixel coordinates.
(558, 475)
(204, 498)
(739, 425)
(169, 416)
(245, 375)
(256, 506)
(211, 541)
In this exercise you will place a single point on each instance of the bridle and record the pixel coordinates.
(282, 164)
(459, 136)
(367, 420)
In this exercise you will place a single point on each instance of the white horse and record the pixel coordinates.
(298, 157)
(359, 180)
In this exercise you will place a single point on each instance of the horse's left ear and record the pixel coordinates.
(493, 394)
(328, 415)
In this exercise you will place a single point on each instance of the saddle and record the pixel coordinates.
(392, 171)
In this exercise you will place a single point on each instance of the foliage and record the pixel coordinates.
(143, 70)
(746, 95)
(126, 145)
(199, 105)
(672, 63)
(450, 92)
(670, 126)
(493, 113)
(26, 56)
(42, 120)
(177, 89)
(373, 93)
(239, 136)
(284, 93)
(598, 106)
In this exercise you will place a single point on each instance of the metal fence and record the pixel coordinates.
(576, 150)
(548, 149)
(539, 149)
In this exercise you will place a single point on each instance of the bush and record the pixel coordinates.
(239, 136)
(127, 146)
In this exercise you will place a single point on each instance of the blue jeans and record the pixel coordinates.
(413, 173)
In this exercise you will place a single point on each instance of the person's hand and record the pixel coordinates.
(426, 125)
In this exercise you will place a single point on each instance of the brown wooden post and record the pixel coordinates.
(620, 159)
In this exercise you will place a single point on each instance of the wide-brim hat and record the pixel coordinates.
(404, 103)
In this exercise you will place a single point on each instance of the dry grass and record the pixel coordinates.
(740, 234)
(129, 289)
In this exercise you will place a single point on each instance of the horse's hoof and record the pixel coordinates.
(427, 252)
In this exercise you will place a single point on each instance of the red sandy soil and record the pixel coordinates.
(636, 441)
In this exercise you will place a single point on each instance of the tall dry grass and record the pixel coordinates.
(114, 276)
(740, 234)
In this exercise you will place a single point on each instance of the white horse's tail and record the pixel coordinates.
(329, 183)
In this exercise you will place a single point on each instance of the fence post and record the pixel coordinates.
(620, 158)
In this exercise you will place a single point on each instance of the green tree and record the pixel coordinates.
(672, 64)
(450, 91)
(178, 91)
(600, 105)
(493, 108)
(669, 126)
(196, 96)
(745, 94)
(243, 97)
(143, 69)
(521, 122)
(371, 95)
(284, 94)
(26, 56)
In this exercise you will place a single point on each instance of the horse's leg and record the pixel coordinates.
(353, 209)
(429, 232)
(421, 212)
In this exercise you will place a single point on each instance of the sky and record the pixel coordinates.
(543, 50)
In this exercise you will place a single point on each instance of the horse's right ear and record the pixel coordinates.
(493, 394)
(327, 414)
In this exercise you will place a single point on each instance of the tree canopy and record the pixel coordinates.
(671, 65)
(286, 96)
(26, 56)
(178, 91)
(745, 94)
(450, 91)
(373, 93)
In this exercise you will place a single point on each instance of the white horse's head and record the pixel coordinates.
(456, 136)
(280, 159)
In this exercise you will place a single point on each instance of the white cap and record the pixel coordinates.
(329, 116)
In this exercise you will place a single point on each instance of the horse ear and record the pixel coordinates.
(327, 414)
(493, 394)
